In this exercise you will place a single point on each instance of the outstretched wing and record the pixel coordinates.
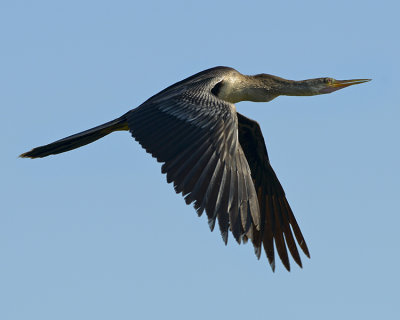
(195, 135)
(277, 219)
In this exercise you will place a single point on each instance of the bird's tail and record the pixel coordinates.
(78, 140)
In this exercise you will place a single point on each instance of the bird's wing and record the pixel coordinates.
(277, 219)
(195, 135)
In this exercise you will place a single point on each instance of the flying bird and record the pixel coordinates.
(215, 156)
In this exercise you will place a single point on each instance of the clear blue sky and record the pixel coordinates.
(97, 233)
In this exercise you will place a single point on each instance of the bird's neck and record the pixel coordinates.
(249, 88)
(297, 88)
(239, 87)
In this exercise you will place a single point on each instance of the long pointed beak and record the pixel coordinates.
(339, 84)
(334, 85)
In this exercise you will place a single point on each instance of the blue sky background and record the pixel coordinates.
(97, 233)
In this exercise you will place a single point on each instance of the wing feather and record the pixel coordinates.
(276, 217)
(291, 244)
(221, 209)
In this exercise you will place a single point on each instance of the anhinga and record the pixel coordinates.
(215, 156)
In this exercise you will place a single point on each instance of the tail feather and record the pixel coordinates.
(77, 140)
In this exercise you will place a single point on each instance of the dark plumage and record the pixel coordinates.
(215, 156)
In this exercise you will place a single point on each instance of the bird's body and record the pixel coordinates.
(215, 156)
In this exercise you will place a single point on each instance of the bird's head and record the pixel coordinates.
(328, 85)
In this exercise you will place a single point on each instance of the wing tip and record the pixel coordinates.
(224, 235)
(287, 265)
(303, 245)
(272, 265)
(28, 154)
